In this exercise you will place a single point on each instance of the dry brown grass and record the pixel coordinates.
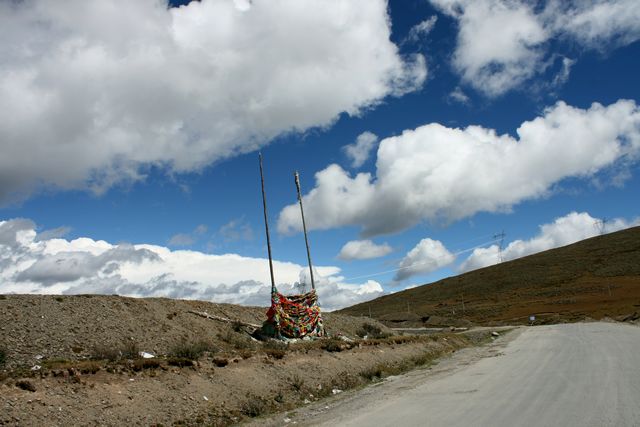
(594, 278)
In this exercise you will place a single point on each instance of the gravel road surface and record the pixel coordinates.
(585, 374)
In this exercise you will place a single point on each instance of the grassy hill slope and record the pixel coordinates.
(595, 278)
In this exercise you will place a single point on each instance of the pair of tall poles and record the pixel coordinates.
(266, 226)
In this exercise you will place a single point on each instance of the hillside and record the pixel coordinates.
(595, 278)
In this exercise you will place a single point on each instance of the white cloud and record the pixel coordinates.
(100, 91)
(503, 43)
(561, 232)
(236, 229)
(459, 96)
(54, 233)
(359, 151)
(596, 24)
(437, 173)
(188, 239)
(563, 75)
(59, 266)
(422, 29)
(498, 42)
(363, 249)
(427, 256)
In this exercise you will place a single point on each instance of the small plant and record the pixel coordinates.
(334, 345)
(237, 326)
(191, 350)
(254, 407)
(370, 330)
(220, 362)
(372, 373)
(26, 385)
(238, 341)
(297, 382)
(180, 362)
(141, 364)
(129, 349)
(275, 349)
(274, 353)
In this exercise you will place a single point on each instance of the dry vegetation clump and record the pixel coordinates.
(128, 349)
(275, 349)
(297, 382)
(192, 350)
(26, 385)
(369, 330)
(3, 356)
(254, 407)
(237, 340)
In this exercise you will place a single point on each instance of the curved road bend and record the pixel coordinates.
(585, 374)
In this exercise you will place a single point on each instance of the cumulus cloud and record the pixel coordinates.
(100, 91)
(596, 24)
(427, 256)
(53, 233)
(59, 266)
(363, 249)
(561, 232)
(359, 151)
(503, 43)
(437, 173)
(422, 29)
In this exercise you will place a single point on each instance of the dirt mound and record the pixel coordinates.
(76, 326)
(74, 360)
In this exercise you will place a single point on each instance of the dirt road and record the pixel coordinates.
(584, 374)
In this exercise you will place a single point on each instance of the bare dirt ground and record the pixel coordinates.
(73, 360)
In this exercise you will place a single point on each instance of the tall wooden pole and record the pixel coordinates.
(266, 224)
(304, 228)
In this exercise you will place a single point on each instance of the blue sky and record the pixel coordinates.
(131, 135)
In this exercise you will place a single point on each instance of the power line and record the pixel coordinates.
(601, 225)
(416, 264)
(500, 238)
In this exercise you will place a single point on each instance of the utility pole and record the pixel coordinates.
(266, 225)
(304, 228)
(500, 237)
